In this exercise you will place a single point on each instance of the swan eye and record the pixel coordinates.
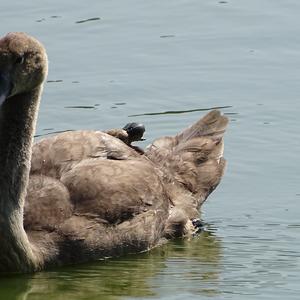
(19, 60)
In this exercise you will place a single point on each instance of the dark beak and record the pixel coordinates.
(5, 87)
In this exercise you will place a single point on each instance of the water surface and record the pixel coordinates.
(164, 63)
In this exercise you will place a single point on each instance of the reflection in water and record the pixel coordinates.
(52, 132)
(173, 112)
(81, 106)
(167, 36)
(134, 275)
(87, 20)
(54, 81)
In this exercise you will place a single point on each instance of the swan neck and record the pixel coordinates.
(18, 116)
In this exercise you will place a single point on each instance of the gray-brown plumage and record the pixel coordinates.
(89, 195)
(192, 164)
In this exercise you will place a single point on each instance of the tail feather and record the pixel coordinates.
(201, 148)
(194, 157)
(192, 163)
(213, 125)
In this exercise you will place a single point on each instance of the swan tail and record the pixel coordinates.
(212, 125)
(194, 157)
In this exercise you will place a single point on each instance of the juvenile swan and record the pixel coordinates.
(86, 195)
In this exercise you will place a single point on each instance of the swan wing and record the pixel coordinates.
(114, 190)
(53, 156)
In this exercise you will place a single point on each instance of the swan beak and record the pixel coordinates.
(5, 87)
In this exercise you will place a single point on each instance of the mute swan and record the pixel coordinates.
(89, 195)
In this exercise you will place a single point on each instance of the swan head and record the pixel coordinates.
(23, 64)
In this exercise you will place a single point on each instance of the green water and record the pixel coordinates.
(164, 63)
(134, 276)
